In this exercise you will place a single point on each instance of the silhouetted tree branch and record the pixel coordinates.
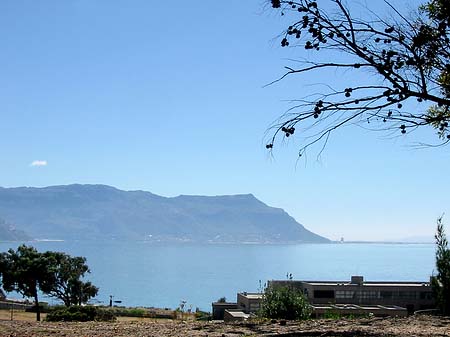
(409, 58)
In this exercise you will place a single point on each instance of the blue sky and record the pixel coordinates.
(169, 97)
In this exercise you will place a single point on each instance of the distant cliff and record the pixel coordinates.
(104, 212)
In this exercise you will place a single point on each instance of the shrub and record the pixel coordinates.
(202, 316)
(441, 282)
(80, 314)
(130, 312)
(284, 302)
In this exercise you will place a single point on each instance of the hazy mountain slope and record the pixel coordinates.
(9, 232)
(98, 211)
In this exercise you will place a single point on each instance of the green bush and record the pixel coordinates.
(284, 302)
(441, 282)
(131, 312)
(336, 315)
(80, 314)
(202, 316)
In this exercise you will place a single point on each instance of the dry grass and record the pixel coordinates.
(19, 315)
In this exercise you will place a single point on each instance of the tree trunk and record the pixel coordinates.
(38, 309)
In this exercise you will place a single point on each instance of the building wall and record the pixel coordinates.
(413, 296)
(249, 302)
(218, 309)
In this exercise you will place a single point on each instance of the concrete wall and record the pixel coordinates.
(249, 302)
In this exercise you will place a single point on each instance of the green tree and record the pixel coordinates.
(65, 283)
(222, 300)
(55, 274)
(284, 302)
(441, 282)
(394, 62)
(26, 271)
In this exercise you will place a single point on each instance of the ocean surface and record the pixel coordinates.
(163, 275)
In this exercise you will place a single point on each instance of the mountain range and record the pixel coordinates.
(81, 212)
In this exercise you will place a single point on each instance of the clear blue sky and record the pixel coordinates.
(168, 97)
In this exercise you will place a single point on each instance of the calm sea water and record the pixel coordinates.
(144, 274)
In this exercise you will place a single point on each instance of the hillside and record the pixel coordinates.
(104, 212)
(9, 232)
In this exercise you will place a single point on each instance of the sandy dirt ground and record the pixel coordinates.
(411, 326)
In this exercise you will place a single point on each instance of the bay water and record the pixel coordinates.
(163, 275)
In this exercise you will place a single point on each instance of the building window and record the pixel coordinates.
(407, 294)
(345, 294)
(323, 293)
(368, 295)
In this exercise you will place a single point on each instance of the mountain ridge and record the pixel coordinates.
(97, 211)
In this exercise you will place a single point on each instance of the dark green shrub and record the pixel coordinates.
(104, 315)
(202, 316)
(80, 314)
(284, 302)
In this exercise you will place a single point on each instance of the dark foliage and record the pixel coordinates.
(441, 281)
(80, 314)
(284, 302)
(26, 271)
(67, 285)
(222, 300)
(58, 275)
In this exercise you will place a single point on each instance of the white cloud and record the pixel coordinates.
(39, 163)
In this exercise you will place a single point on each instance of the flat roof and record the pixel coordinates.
(374, 284)
(237, 314)
(225, 304)
(252, 296)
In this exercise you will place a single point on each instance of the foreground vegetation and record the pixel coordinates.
(55, 274)
(80, 314)
(284, 302)
(441, 281)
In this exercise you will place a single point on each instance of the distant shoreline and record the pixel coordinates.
(386, 242)
(180, 242)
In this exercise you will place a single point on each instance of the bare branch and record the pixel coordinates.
(410, 58)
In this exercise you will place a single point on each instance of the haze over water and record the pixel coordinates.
(144, 274)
